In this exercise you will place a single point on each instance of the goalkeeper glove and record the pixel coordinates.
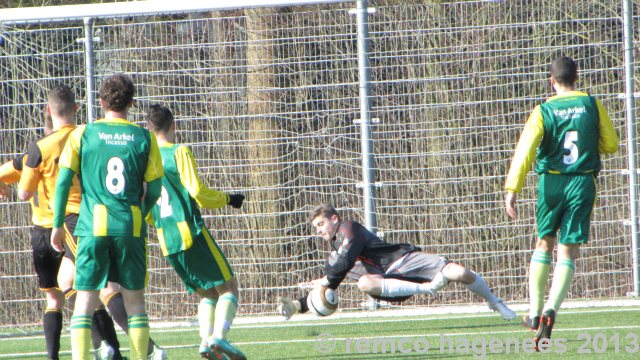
(235, 200)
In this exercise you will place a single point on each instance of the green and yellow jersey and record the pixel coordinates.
(569, 131)
(113, 158)
(176, 215)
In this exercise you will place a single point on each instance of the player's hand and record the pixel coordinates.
(57, 239)
(510, 204)
(235, 200)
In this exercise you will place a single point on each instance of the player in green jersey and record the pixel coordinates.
(115, 159)
(569, 131)
(186, 242)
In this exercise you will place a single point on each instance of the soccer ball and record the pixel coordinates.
(322, 301)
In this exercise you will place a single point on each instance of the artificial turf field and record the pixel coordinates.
(594, 333)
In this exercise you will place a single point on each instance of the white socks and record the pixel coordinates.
(397, 288)
(481, 288)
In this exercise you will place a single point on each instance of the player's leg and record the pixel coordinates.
(548, 217)
(103, 333)
(539, 268)
(413, 275)
(86, 302)
(91, 273)
(130, 263)
(226, 307)
(52, 321)
(206, 319)
(46, 262)
(111, 297)
(563, 275)
(225, 312)
(475, 283)
(138, 322)
(579, 192)
(574, 231)
(215, 272)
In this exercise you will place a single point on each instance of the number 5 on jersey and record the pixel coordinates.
(570, 139)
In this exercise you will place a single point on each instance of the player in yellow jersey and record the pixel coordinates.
(186, 242)
(569, 131)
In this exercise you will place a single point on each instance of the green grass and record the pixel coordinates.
(575, 331)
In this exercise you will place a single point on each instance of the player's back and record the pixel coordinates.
(114, 155)
(571, 134)
(176, 214)
(40, 172)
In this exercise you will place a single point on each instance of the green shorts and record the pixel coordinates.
(203, 265)
(565, 203)
(122, 259)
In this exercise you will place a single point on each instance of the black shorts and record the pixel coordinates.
(70, 241)
(46, 260)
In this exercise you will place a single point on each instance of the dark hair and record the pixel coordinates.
(325, 210)
(159, 118)
(117, 92)
(564, 71)
(61, 100)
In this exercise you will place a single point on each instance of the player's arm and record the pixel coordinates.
(608, 142)
(69, 166)
(187, 168)
(523, 158)
(31, 174)
(10, 173)
(341, 261)
(153, 177)
(11, 170)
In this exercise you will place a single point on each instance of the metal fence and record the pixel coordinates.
(405, 117)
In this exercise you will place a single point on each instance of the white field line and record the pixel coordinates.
(472, 311)
(315, 340)
(424, 314)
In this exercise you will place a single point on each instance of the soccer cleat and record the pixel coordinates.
(547, 320)
(104, 352)
(503, 309)
(222, 346)
(287, 307)
(157, 354)
(531, 323)
(206, 352)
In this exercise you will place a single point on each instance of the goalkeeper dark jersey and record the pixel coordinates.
(354, 242)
